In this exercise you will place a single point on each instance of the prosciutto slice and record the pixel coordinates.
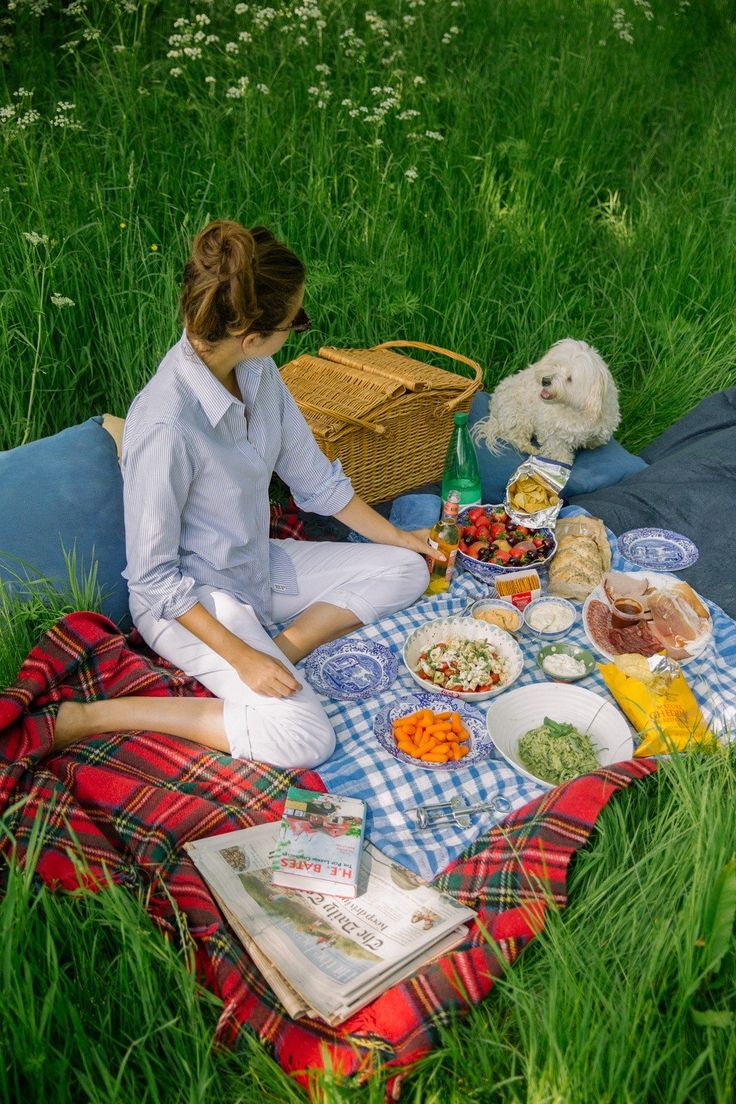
(675, 622)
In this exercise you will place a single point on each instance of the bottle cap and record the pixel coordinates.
(460, 418)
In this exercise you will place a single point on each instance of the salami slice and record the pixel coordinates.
(635, 638)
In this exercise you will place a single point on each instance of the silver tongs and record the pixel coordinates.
(456, 812)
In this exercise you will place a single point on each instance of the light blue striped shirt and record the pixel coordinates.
(196, 467)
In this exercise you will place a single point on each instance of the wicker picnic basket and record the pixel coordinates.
(386, 416)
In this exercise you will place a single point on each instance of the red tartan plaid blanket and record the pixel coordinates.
(131, 800)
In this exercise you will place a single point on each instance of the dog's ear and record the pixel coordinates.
(594, 402)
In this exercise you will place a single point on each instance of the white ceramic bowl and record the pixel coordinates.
(513, 715)
(547, 635)
(463, 628)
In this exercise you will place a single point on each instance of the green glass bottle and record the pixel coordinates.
(461, 466)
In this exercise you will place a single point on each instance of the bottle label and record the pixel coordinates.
(448, 567)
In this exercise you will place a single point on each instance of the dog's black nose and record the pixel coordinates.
(546, 381)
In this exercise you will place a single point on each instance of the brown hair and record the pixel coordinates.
(238, 281)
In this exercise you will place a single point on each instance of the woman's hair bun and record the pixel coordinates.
(224, 249)
(237, 280)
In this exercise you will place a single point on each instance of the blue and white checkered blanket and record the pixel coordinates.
(392, 789)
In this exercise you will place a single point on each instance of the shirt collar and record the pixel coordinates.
(213, 396)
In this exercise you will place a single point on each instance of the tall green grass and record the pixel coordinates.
(582, 185)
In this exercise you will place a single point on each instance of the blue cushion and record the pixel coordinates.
(592, 469)
(65, 493)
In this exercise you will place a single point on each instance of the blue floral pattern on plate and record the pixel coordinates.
(481, 745)
(658, 549)
(351, 670)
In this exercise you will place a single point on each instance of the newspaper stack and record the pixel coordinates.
(323, 956)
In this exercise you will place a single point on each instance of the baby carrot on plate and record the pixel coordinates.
(432, 737)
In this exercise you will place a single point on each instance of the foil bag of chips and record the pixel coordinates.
(533, 492)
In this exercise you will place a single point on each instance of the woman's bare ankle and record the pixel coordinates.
(71, 724)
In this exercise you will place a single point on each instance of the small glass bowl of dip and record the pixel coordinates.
(554, 660)
(549, 618)
(497, 612)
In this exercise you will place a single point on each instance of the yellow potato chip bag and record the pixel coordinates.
(659, 703)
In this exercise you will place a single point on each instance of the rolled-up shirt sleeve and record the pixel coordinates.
(318, 486)
(157, 472)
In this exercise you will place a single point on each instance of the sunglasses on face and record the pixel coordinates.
(301, 323)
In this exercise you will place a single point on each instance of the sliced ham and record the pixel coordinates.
(618, 585)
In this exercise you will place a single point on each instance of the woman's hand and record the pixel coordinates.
(416, 540)
(266, 675)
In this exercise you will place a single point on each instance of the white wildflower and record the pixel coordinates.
(210, 80)
(62, 300)
(263, 89)
(241, 9)
(622, 26)
(34, 238)
(434, 135)
(411, 174)
(231, 48)
(322, 68)
(409, 113)
(176, 71)
(237, 91)
(419, 80)
(245, 36)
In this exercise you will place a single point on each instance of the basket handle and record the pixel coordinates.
(477, 370)
(372, 426)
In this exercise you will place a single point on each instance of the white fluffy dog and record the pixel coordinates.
(565, 402)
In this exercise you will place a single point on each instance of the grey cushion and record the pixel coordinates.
(689, 486)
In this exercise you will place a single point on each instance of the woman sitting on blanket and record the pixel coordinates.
(201, 442)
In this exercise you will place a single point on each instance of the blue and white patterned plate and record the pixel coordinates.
(658, 549)
(351, 670)
(481, 745)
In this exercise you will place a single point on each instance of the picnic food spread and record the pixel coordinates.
(557, 752)
(466, 665)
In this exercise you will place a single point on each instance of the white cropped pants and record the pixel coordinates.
(370, 580)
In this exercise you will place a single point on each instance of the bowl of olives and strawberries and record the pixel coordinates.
(491, 543)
